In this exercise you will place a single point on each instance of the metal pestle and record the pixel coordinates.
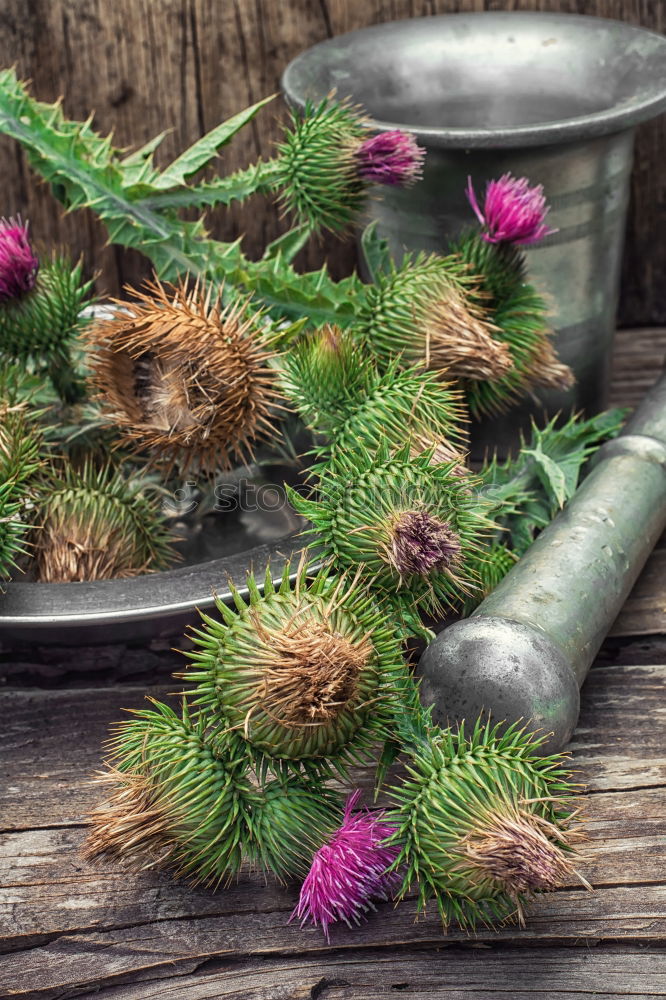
(526, 650)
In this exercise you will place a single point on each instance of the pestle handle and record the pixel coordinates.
(528, 646)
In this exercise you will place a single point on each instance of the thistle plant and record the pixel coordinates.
(183, 799)
(306, 673)
(520, 316)
(424, 311)
(340, 394)
(184, 377)
(483, 823)
(94, 524)
(412, 528)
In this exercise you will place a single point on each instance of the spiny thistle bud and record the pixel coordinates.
(414, 529)
(349, 871)
(339, 392)
(520, 315)
(182, 376)
(423, 311)
(95, 525)
(393, 158)
(305, 671)
(42, 321)
(513, 212)
(182, 798)
(326, 161)
(483, 822)
(18, 263)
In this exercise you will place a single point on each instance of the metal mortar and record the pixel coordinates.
(526, 650)
(553, 97)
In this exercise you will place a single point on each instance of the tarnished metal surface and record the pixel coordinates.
(527, 648)
(553, 97)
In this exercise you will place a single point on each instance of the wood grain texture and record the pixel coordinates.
(147, 65)
(70, 928)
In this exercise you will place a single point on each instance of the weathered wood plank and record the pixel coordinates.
(46, 890)
(51, 742)
(149, 65)
(83, 928)
(446, 972)
(175, 946)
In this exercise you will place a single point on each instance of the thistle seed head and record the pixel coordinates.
(317, 169)
(421, 544)
(426, 311)
(94, 525)
(461, 340)
(182, 376)
(304, 671)
(484, 820)
(547, 370)
(311, 671)
(519, 850)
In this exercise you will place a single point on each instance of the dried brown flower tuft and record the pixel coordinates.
(184, 377)
(459, 338)
(522, 852)
(310, 671)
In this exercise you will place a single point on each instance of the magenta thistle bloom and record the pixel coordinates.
(421, 543)
(349, 871)
(393, 158)
(18, 264)
(513, 212)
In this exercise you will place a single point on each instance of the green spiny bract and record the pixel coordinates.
(306, 671)
(21, 443)
(520, 323)
(12, 530)
(42, 323)
(412, 528)
(93, 524)
(182, 798)
(423, 311)
(316, 170)
(339, 392)
(482, 823)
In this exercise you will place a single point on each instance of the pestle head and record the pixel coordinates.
(511, 670)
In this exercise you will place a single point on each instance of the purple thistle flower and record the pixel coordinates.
(349, 871)
(421, 543)
(513, 212)
(18, 264)
(392, 158)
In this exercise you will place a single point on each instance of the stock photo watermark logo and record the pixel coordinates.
(243, 496)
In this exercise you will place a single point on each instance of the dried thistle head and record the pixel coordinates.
(424, 311)
(483, 822)
(303, 672)
(520, 850)
(95, 525)
(184, 377)
(548, 371)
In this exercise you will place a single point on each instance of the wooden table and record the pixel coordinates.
(68, 929)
